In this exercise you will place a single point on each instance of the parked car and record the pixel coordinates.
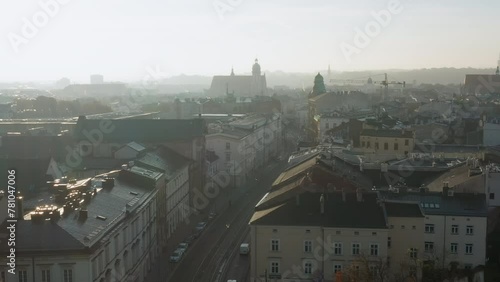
(201, 226)
(211, 215)
(176, 255)
(190, 239)
(183, 246)
(244, 249)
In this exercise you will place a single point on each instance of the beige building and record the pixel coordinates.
(308, 235)
(454, 226)
(391, 142)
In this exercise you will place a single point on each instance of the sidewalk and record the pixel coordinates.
(161, 270)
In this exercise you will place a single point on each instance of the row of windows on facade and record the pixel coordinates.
(45, 275)
(469, 229)
(122, 240)
(386, 145)
(337, 248)
(308, 267)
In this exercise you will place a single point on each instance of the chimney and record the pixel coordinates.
(359, 195)
(445, 188)
(82, 215)
(343, 195)
(322, 203)
(20, 208)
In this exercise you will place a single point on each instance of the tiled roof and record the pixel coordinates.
(163, 159)
(401, 209)
(142, 130)
(349, 214)
(44, 236)
(435, 203)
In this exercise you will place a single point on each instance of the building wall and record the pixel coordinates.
(327, 123)
(405, 233)
(292, 256)
(177, 199)
(491, 134)
(493, 186)
(443, 238)
(368, 144)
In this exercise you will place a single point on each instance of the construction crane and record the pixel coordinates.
(384, 83)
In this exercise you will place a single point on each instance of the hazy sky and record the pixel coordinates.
(122, 38)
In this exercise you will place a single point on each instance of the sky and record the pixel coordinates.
(46, 40)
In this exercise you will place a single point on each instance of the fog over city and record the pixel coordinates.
(119, 38)
(249, 141)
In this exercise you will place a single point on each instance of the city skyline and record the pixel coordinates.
(122, 40)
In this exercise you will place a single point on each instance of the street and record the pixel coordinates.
(214, 256)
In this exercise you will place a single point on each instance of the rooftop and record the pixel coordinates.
(387, 133)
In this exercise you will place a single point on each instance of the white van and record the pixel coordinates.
(244, 249)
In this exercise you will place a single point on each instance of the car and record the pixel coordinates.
(190, 239)
(211, 215)
(244, 249)
(176, 255)
(201, 226)
(183, 246)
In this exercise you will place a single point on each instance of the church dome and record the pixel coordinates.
(318, 78)
(256, 68)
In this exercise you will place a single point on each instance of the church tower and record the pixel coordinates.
(257, 87)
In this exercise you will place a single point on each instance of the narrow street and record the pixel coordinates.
(216, 251)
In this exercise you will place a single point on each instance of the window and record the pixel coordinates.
(492, 196)
(454, 248)
(414, 227)
(356, 233)
(337, 249)
(368, 144)
(429, 228)
(363, 144)
(337, 232)
(355, 248)
(454, 229)
(413, 253)
(373, 270)
(467, 266)
(396, 146)
(228, 156)
(376, 145)
(125, 237)
(68, 275)
(374, 249)
(106, 254)
(407, 142)
(275, 245)
(469, 230)
(388, 242)
(386, 146)
(228, 146)
(275, 267)
(308, 246)
(337, 268)
(327, 125)
(402, 227)
(45, 275)
(308, 267)
(23, 276)
(429, 247)
(468, 249)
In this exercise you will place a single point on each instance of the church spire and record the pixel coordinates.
(232, 71)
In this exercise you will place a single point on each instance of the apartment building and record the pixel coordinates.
(309, 235)
(390, 142)
(99, 229)
(245, 144)
(455, 226)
